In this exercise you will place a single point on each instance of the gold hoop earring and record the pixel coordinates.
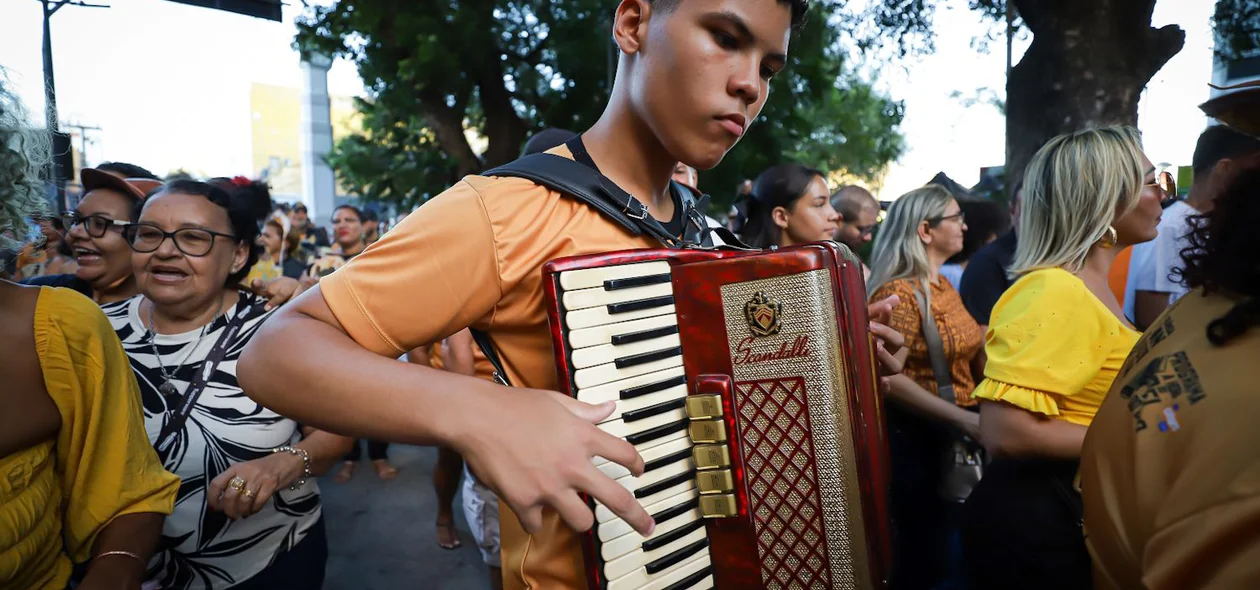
(1110, 239)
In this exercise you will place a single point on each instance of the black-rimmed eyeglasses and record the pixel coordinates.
(192, 241)
(962, 218)
(95, 225)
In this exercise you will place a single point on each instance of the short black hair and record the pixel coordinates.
(985, 219)
(1221, 253)
(1218, 143)
(778, 186)
(254, 192)
(849, 200)
(547, 139)
(127, 170)
(357, 212)
(244, 227)
(799, 8)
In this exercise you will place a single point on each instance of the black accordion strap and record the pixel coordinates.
(580, 182)
(487, 348)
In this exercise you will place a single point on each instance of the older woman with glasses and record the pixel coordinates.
(94, 236)
(248, 514)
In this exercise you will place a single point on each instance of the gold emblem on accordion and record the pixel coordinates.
(762, 314)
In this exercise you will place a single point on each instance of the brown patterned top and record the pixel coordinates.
(960, 334)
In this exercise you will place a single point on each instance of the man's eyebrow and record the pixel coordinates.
(741, 29)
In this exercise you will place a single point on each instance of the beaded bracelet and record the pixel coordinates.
(306, 464)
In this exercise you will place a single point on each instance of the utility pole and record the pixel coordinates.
(83, 141)
(50, 89)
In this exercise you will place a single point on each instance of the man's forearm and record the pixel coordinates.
(318, 381)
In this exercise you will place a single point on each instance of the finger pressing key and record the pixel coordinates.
(617, 499)
(618, 451)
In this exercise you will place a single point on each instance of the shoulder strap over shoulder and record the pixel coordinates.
(586, 185)
(935, 346)
(589, 186)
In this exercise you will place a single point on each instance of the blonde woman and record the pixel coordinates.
(924, 228)
(1056, 340)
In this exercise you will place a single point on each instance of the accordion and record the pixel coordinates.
(747, 382)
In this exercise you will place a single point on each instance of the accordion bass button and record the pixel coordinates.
(716, 481)
(704, 406)
(718, 506)
(710, 456)
(707, 431)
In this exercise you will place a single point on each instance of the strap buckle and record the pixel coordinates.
(640, 215)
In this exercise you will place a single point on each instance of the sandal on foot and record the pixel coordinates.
(346, 472)
(447, 536)
(384, 470)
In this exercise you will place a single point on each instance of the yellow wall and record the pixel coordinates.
(276, 112)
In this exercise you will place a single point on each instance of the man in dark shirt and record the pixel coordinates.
(985, 279)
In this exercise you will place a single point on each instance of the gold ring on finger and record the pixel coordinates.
(236, 483)
(247, 493)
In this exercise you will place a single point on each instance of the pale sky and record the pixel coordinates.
(168, 84)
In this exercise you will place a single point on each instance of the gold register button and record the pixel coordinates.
(707, 431)
(711, 456)
(704, 406)
(717, 506)
(712, 482)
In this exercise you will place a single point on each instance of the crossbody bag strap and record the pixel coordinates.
(176, 420)
(487, 348)
(936, 348)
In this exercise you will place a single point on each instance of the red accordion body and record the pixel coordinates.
(747, 381)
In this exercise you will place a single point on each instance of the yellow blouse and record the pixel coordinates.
(57, 496)
(1053, 348)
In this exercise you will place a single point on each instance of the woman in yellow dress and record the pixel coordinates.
(1056, 340)
(78, 481)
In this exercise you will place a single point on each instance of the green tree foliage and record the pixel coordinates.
(1086, 65)
(507, 68)
(1237, 24)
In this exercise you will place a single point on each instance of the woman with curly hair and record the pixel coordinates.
(1169, 473)
(79, 482)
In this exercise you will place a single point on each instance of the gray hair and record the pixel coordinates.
(898, 251)
(23, 153)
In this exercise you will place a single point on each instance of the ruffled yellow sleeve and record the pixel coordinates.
(104, 461)
(1045, 342)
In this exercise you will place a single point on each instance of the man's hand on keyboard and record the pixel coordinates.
(535, 448)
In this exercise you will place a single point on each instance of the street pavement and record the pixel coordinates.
(381, 534)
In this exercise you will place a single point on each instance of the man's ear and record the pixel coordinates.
(630, 24)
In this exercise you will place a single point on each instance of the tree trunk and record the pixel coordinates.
(1087, 66)
(447, 124)
(505, 132)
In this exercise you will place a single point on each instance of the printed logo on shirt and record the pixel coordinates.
(1167, 382)
(1149, 340)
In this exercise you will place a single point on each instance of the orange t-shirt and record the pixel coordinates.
(1118, 275)
(473, 257)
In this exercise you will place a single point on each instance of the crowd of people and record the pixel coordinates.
(1049, 425)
